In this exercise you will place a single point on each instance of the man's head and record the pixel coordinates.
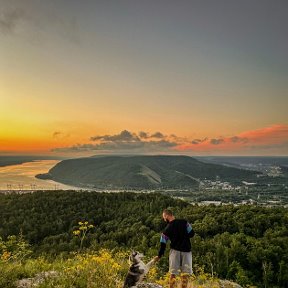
(168, 215)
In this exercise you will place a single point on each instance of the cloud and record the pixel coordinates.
(124, 142)
(119, 147)
(123, 136)
(216, 141)
(268, 140)
(10, 19)
(75, 148)
(143, 135)
(60, 135)
(129, 136)
(35, 21)
(56, 134)
(199, 141)
(272, 134)
(236, 139)
(271, 140)
(158, 135)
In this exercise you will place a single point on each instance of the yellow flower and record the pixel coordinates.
(116, 266)
(6, 255)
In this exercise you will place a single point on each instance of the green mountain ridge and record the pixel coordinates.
(142, 172)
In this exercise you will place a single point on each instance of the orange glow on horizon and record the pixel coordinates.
(272, 135)
(269, 137)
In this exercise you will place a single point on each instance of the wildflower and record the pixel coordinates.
(116, 266)
(76, 232)
(6, 255)
(82, 231)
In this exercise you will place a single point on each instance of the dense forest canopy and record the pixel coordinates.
(243, 243)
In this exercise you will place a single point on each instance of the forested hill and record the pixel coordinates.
(246, 244)
(141, 172)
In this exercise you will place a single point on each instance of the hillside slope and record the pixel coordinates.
(141, 172)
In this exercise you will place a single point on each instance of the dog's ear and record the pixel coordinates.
(132, 257)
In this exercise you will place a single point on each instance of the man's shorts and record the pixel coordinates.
(180, 262)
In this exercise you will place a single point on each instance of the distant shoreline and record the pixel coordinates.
(15, 163)
(18, 160)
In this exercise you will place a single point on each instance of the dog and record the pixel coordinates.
(138, 269)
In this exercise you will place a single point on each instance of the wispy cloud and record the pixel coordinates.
(60, 135)
(267, 135)
(237, 139)
(217, 141)
(264, 140)
(56, 134)
(199, 141)
(31, 20)
(273, 138)
(10, 19)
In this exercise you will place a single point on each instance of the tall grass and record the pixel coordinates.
(102, 269)
(83, 269)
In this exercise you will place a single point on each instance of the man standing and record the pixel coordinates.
(179, 232)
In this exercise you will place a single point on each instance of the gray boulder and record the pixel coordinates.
(37, 280)
(149, 285)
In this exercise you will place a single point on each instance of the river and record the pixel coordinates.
(22, 177)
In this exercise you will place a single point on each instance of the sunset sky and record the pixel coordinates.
(191, 77)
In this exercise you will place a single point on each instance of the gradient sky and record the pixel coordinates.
(193, 77)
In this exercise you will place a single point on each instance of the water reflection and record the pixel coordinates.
(22, 176)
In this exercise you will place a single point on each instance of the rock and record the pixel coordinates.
(35, 281)
(149, 285)
(228, 284)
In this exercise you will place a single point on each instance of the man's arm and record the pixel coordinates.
(190, 230)
(163, 241)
